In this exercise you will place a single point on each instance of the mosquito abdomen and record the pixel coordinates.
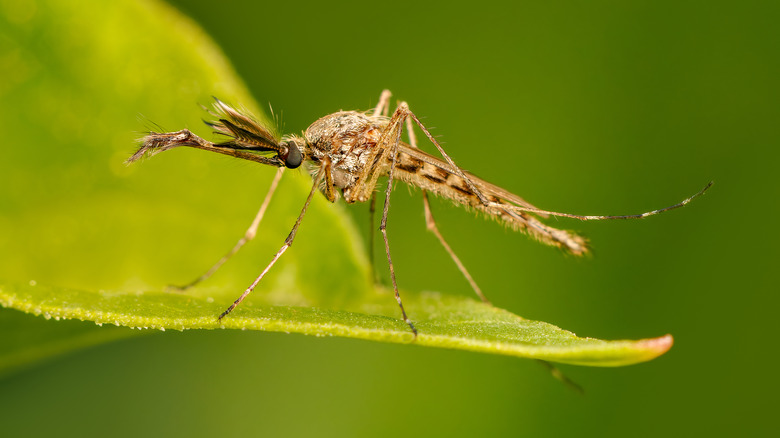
(434, 175)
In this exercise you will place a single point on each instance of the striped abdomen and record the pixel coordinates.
(429, 173)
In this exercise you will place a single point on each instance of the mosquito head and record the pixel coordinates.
(290, 153)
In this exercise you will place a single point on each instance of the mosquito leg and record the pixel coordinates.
(371, 234)
(383, 106)
(249, 235)
(330, 189)
(383, 226)
(366, 181)
(430, 223)
(556, 373)
(682, 203)
(287, 242)
(410, 131)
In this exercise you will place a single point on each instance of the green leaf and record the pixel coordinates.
(443, 321)
(110, 237)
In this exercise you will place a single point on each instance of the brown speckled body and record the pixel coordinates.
(349, 139)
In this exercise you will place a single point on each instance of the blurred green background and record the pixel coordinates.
(593, 107)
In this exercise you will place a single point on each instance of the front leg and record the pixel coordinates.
(329, 190)
(287, 243)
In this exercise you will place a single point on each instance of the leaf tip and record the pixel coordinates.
(659, 345)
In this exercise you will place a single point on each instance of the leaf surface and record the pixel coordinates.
(443, 321)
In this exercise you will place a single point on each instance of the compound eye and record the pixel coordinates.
(293, 158)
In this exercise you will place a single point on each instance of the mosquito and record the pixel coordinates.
(346, 153)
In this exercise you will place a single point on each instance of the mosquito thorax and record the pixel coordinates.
(344, 137)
